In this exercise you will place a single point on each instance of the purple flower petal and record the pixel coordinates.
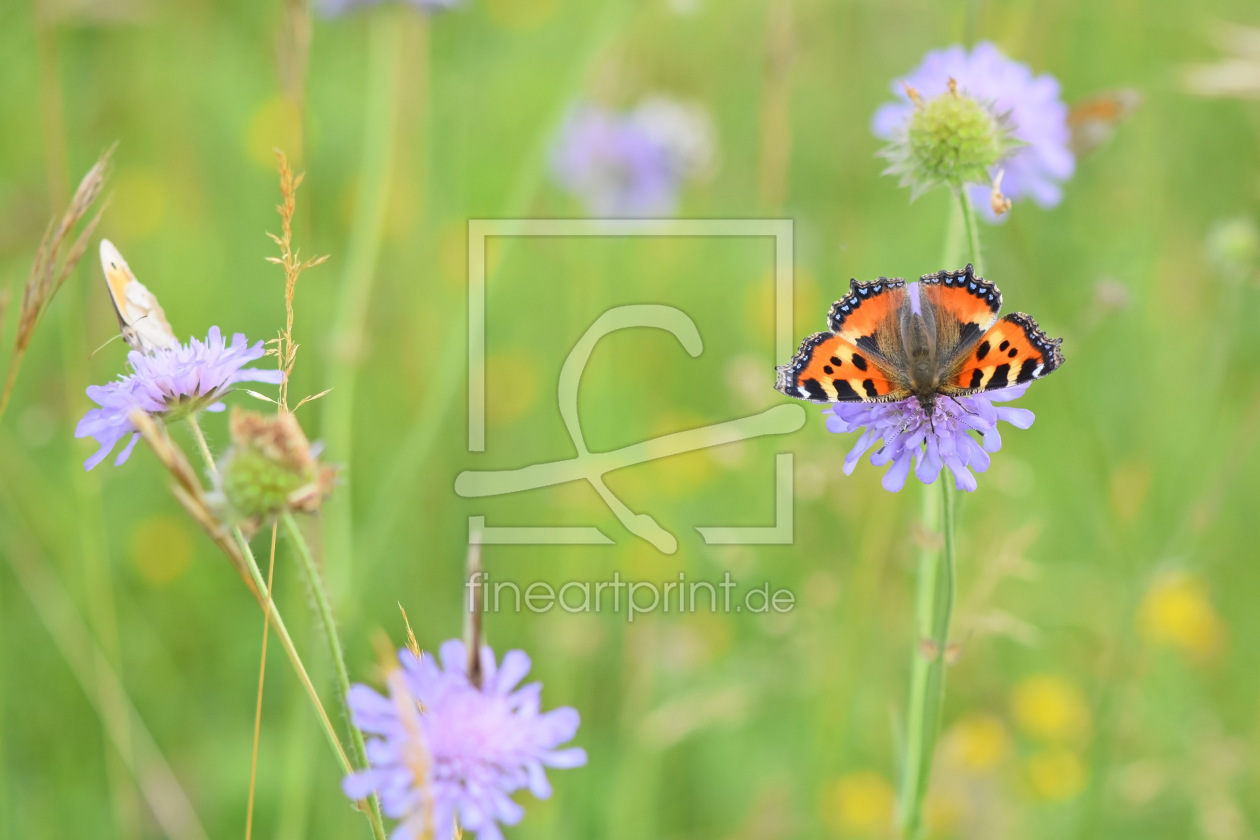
(477, 746)
(903, 435)
(631, 164)
(1034, 169)
(169, 383)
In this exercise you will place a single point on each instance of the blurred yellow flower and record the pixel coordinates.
(1055, 773)
(275, 124)
(1177, 612)
(1050, 707)
(515, 384)
(520, 15)
(977, 742)
(859, 803)
(161, 549)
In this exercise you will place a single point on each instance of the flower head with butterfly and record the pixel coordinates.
(168, 379)
(918, 367)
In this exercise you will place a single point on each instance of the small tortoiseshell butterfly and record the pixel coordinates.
(889, 340)
(140, 317)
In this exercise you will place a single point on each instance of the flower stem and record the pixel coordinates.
(286, 641)
(934, 604)
(262, 676)
(973, 234)
(934, 596)
(324, 609)
(202, 446)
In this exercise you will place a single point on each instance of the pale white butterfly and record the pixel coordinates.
(140, 317)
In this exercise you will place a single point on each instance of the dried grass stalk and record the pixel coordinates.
(285, 348)
(52, 267)
(186, 487)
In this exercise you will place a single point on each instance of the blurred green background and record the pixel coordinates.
(1107, 685)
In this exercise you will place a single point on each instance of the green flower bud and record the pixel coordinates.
(952, 139)
(270, 467)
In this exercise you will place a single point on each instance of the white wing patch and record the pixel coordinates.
(140, 317)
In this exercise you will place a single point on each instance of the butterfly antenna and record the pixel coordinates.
(92, 355)
(963, 407)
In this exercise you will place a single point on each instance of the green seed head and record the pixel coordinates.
(952, 139)
(270, 467)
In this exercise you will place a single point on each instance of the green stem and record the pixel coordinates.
(973, 234)
(323, 608)
(934, 596)
(202, 446)
(951, 254)
(286, 641)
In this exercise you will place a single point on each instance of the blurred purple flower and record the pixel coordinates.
(333, 8)
(632, 164)
(1039, 116)
(170, 383)
(946, 441)
(452, 750)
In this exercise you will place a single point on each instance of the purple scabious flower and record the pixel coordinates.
(450, 750)
(632, 164)
(944, 441)
(170, 383)
(1043, 160)
(614, 167)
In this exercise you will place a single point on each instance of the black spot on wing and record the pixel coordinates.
(1026, 370)
(1004, 344)
(981, 352)
(859, 362)
(835, 360)
(1050, 348)
(868, 385)
(999, 378)
(844, 391)
(977, 376)
(815, 390)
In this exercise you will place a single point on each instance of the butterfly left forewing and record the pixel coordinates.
(140, 317)
(855, 361)
(828, 368)
(1013, 352)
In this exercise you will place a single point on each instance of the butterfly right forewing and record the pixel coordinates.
(1013, 352)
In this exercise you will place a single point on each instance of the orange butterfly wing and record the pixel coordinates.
(1013, 352)
(845, 364)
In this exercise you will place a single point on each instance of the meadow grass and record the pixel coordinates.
(1105, 682)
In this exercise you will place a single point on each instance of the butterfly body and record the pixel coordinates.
(889, 340)
(141, 320)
